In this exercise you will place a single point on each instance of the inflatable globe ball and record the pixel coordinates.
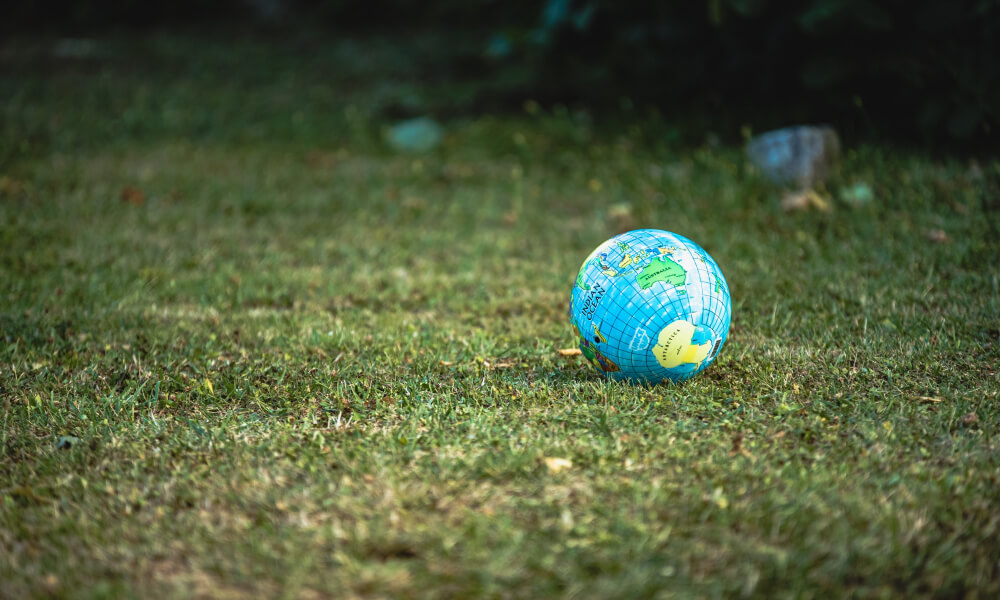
(650, 306)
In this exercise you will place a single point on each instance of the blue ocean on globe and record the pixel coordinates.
(650, 306)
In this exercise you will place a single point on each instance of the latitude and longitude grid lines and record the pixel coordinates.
(660, 304)
(649, 312)
(711, 277)
(718, 306)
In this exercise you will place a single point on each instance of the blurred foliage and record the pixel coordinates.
(923, 69)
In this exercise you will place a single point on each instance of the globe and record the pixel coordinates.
(650, 306)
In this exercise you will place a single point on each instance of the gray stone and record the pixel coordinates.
(799, 157)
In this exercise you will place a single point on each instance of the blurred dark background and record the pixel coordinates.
(925, 72)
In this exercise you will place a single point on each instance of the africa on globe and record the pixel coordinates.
(650, 306)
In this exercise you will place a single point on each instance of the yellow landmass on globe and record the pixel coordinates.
(673, 345)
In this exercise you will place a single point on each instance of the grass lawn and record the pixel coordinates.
(246, 349)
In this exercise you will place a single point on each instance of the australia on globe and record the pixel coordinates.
(650, 306)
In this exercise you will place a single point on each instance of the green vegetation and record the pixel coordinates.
(248, 350)
(920, 70)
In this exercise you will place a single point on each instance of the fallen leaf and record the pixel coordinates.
(566, 519)
(570, 352)
(738, 446)
(794, 201)
(620, 217)
(928, 399)
(555, 465)
(132, 195)
(938, 236)
(322, 160)
(446, 363)
(804, 199)
(719, 497)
